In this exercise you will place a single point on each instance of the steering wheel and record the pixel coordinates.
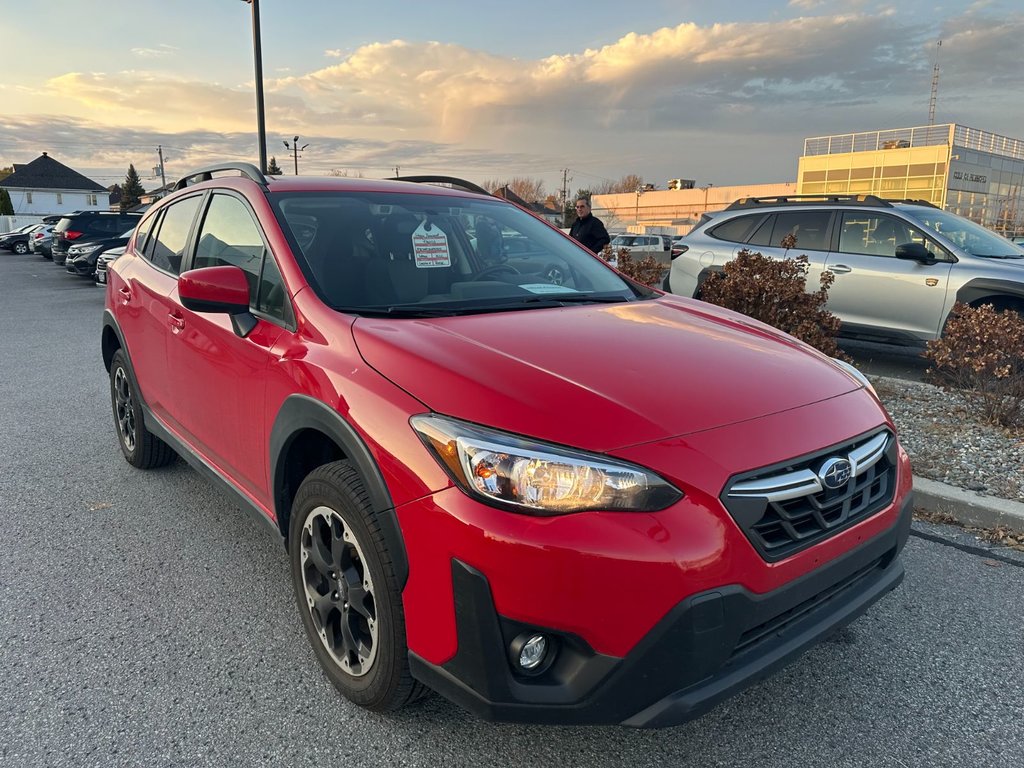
(496, 269)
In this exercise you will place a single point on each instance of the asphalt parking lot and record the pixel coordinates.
(147, 620)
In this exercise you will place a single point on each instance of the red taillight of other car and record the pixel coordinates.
(72, 235)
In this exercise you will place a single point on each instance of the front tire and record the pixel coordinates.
(347, 592)
(141, 448)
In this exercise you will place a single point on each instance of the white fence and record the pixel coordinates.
(10, 223)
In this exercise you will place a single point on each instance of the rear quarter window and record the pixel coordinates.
(736, 230)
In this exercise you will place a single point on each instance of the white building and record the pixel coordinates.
(45, 187)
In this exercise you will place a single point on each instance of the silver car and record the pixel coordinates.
(899, 266)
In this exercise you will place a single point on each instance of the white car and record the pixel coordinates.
(654, 244)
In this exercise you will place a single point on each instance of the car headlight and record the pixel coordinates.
(538, 478)
(81, 250)
(856, 374)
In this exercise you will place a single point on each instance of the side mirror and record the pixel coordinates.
(914, 252)
(218, 290)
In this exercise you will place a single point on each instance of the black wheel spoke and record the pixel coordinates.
(321, 555)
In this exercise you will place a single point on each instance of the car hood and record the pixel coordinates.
(600, 377)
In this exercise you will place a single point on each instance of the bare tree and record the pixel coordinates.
(530, 190)
(628, 183)
(345, 172)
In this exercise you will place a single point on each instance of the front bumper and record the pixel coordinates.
(708, 647)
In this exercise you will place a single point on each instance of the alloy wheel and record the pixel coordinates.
(124, 409)
(339, 591)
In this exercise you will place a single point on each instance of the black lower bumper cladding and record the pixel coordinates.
(707, 648)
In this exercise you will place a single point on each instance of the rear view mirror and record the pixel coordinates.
(218, 289)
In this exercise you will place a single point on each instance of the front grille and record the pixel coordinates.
(786, 508)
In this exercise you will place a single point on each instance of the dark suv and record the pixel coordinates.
(82, 226)
(545, 491)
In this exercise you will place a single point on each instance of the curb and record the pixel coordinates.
(969, 508)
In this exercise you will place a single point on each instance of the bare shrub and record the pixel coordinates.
(774, 291)
(982, 351)
(647, 270)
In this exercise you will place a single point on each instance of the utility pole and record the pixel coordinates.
(163, 178)
(257, 49)
(397, 174)
(935, 86)
(565, 186)
(295, 148)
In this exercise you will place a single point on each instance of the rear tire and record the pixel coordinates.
(141, 448)
(347, 592)
(21, 248)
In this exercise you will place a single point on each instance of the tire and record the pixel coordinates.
(346, 590)
(141, 448)
(21, 248)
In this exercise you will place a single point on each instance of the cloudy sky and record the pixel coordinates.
(721, 92)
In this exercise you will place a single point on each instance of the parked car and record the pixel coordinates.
(586, 502)
(658, 245)
(17, 240)
(40, 239)
(103, 261)
(88, 225)
(82, 257)
(899, 267)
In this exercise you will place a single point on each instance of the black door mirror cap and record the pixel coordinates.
(915, 252)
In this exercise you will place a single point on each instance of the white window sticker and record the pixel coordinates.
(430, 247)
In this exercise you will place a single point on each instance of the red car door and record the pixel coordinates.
(217, 379)
(143, 294)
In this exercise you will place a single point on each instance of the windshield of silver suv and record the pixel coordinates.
(374, 252)
(965, 234)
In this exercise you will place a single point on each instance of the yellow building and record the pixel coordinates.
(974, 173)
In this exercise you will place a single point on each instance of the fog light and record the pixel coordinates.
(533, 651)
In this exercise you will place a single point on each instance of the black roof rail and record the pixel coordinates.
(451, 181)
(205, 174)
(757, 202)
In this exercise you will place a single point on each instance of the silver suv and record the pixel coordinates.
(899, 266)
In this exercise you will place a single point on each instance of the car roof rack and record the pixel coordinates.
(926, 203)
(205, 174)
(757, 202)
(444, 181)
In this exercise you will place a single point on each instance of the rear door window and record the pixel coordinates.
(810, 228)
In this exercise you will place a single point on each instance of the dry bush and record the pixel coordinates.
(774, 291)
(982, 351)
(647, 270)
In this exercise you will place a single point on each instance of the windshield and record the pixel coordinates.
(965, 234)
(435, 254)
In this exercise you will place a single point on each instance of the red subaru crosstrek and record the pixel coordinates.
(502, 470)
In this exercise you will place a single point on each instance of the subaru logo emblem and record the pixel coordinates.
(835, 473)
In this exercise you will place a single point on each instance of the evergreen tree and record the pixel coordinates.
(273, 169)
(131, 191)
(6, 209)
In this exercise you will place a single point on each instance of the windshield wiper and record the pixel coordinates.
(1000, 256)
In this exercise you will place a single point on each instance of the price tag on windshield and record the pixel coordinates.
(430, 247)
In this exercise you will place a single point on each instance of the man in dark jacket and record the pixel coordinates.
(588, 230)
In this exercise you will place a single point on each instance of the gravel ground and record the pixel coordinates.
(947, 442)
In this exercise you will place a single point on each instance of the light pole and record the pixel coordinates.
(639, 191)
(261, 124)
(295, 149)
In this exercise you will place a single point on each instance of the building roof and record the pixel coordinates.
(46, 173)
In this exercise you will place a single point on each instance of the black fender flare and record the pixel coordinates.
(982, 287)
(301, 412)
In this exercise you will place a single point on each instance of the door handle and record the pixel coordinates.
(177, 322)
(840, 269)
